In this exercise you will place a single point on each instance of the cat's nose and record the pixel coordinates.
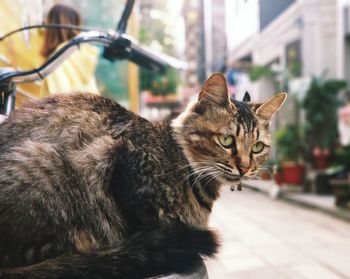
(243, 170)
(243, 165)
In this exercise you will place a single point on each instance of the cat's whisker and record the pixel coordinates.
(189, 167)
(185, 179)
(214, 175)
(174, 171)
(202, 172)
(200, 176)
(192, 172)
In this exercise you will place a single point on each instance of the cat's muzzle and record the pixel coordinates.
(237, 186)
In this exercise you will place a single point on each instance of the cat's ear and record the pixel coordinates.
(215, 90)
(268, 109)
(246, 97)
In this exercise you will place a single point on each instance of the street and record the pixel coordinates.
(266, 238)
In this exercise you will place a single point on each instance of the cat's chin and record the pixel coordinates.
(232, 178)
(236, 185)
(234, 181)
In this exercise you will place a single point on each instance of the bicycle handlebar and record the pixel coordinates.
(147, 59)
(55, 60)
(124, 47)
(117, 46)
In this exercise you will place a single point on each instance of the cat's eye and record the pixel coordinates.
(258, 147)
(227, 141)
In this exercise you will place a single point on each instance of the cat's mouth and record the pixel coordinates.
(232, 177)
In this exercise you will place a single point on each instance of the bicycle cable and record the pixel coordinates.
(53, 26)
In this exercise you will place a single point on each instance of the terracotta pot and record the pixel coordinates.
(321, 163)
(321, 158)
(293, 173)
(278, 178)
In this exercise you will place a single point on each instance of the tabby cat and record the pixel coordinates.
(91, 190)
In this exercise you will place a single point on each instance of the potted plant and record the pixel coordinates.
(289, 141)
(320, 105)
(163, 85)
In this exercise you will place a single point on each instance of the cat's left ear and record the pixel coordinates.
(215, 90)
(268, 109)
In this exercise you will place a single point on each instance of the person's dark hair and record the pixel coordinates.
(61, 14)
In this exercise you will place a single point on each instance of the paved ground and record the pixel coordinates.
(266, 238)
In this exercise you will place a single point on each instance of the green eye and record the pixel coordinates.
(226, 141)
(258, 147)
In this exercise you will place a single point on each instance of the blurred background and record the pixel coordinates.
(296, 224)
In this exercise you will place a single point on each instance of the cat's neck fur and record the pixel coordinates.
(205, 190)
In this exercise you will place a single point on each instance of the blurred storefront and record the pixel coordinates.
(297, 37)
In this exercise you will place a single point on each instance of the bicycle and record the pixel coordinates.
(117, 45)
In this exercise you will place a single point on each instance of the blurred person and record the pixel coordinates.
(77, 72)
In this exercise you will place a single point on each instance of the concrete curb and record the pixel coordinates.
(340, 213)
(271, 190)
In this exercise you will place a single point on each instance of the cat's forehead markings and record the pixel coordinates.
(235, 128)
(257, 134)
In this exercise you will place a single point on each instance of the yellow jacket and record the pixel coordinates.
(75, 74)
(22, 50)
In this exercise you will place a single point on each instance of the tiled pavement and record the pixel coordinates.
(266, 238)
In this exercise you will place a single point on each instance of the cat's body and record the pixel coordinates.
(104, 193)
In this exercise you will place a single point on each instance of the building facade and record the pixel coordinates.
(215, 31)
(193, 13)
(270, 9)
(205, 39)
(343, 40)
(298, 39)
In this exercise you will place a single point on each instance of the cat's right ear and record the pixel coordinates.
(214, 91)
(269, 108)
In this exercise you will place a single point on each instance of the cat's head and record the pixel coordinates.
(226, 139)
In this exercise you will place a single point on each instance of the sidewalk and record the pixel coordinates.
(294, 194)
(273, 239)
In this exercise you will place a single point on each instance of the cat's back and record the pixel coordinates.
(72, 118)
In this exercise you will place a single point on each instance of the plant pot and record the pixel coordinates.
(321, 158)
(321, 162)
(278, 176)
(293, 173)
